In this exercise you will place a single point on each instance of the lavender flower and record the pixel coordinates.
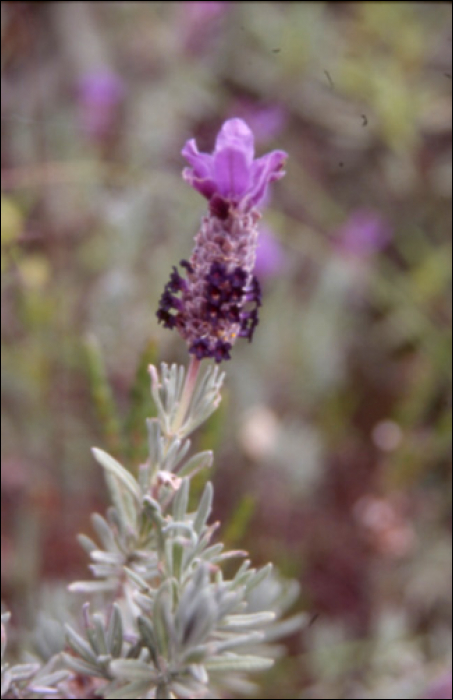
(266, 120)
(200, 24)
(363, 234)
(271, 258)
(440, 688)
(218, 300)
(100, 95)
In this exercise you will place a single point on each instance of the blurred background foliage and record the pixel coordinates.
(333, 441)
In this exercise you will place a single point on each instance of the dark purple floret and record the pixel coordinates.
(256, 287)
(176, 283)
(215, 295)
(254, 293)
(168, 320)
(238, 277)
(236, 295)
(213, 313)
(219, 207)
(187, 265)
(168, 301)
(249, 322)
(233, 314)
(217, 274)
(200, 348)
(222, 351)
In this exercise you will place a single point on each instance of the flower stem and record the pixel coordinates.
(187, 393)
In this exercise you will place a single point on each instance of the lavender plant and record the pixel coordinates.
(170, 624)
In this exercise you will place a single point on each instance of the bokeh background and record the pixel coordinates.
(333, 439)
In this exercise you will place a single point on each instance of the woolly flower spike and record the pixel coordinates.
(218, 300)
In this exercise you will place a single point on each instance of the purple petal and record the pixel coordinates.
(237, 135)
(231, 173)
(233, 157)
(265, 170)
(199, 176)
(200, 162)
(206, 187)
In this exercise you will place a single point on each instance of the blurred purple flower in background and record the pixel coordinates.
(364, 233)
(100, 95)
(200, 24)
(200, 12)
(266, 121)
(271, 259)
(440, 688)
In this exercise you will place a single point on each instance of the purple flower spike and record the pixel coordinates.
(218, 300)
(231, 173)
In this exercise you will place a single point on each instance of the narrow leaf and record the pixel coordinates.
(238, 641)
(155, 445)
(181, 500)
(140, 582)
(80, 646)
(284, 628)
(50, 680)
(202, 460)
(23, 672)
(87, 543)
(92, 586)
(105, 533)
(132, 669)
(231, 622)
(204, 508)
(135, 689)
(258, 577)
(114, 467)
(99, 630)
(6, 682)
(82, 667)
(148, 636)
(114, 632)
(163, 627)
(236, 662)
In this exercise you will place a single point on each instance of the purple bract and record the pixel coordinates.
(231, 173)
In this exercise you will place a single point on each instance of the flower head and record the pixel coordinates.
(218, 299)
